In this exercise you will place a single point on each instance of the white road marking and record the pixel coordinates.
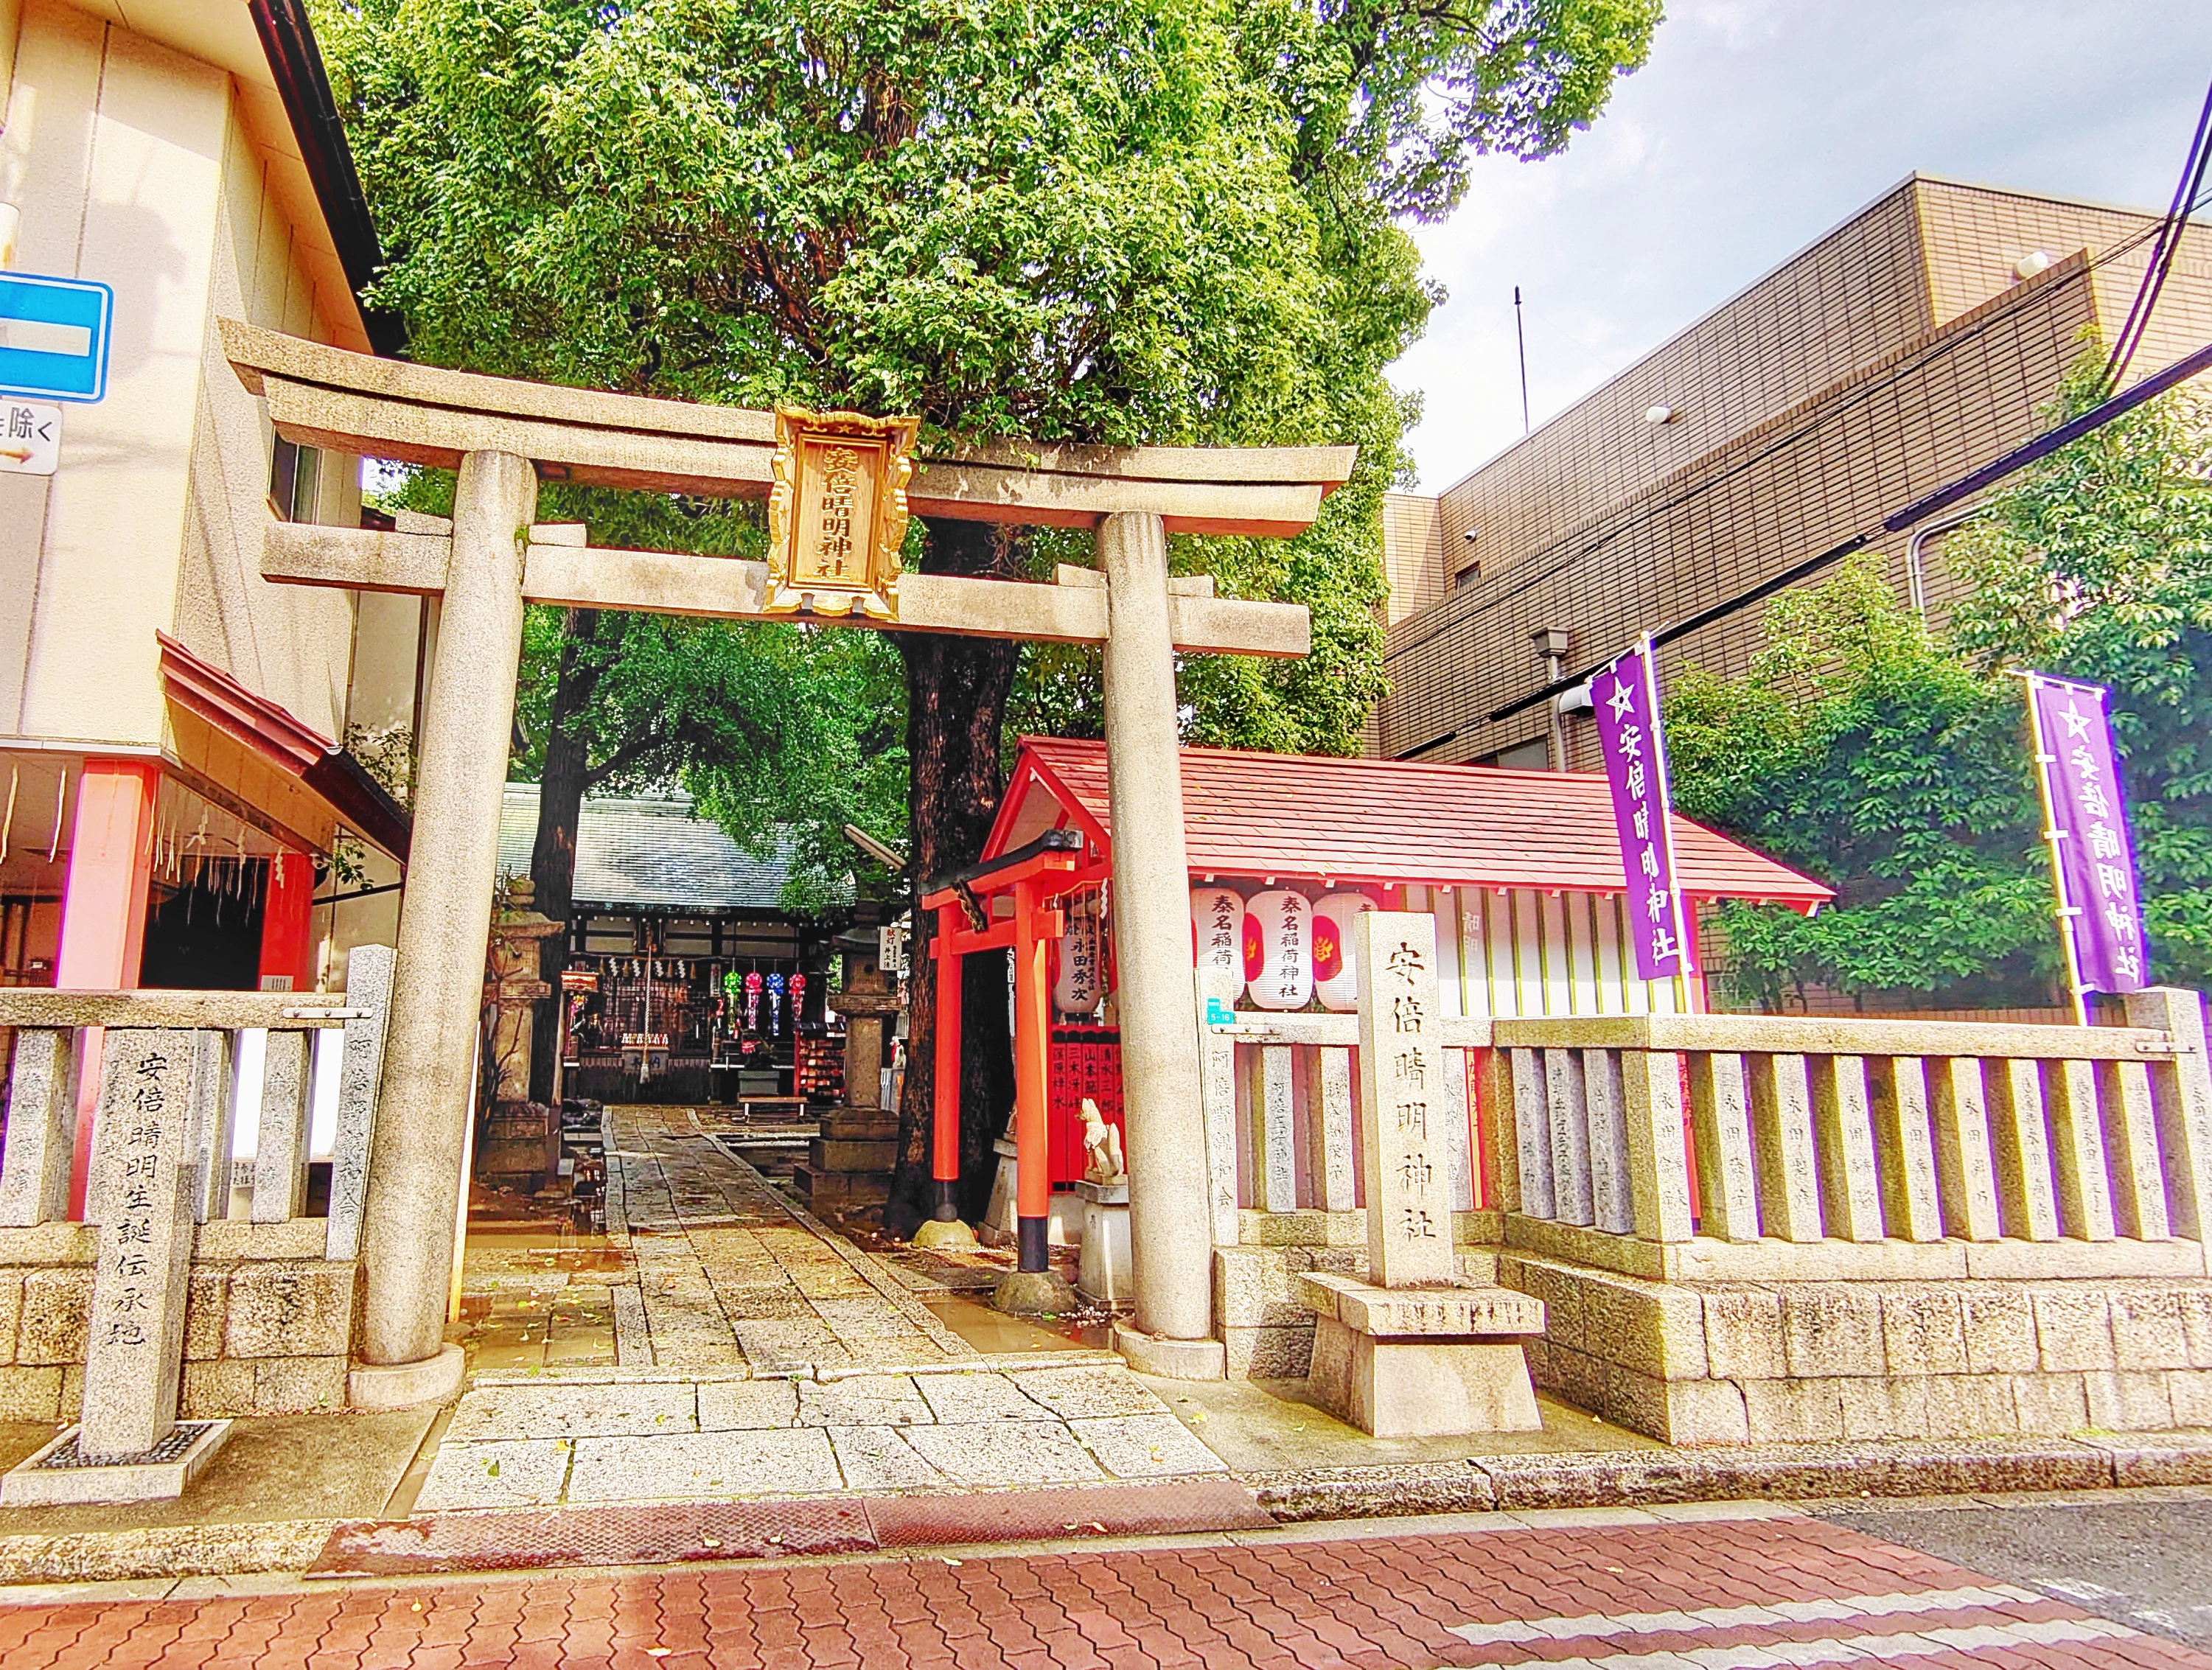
(1723, 1618)
(1857, 1650)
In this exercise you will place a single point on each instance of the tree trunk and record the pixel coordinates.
(560, 809)
(957, 690)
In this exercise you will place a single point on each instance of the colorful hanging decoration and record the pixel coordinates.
(776, 989)
(1279, 949)
(798, 999)
(1076, 986)
(754, 986)
(1336, 975)
(1216, 927)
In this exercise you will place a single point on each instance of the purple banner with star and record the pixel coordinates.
(2092, 857)
(1625, 698)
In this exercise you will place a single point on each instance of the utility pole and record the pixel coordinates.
(1521, 342)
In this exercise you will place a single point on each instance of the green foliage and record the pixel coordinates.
(1108, 220)
(2097, 565)
(1864, 752)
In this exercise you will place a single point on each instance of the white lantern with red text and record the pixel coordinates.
(1079, 964)
(1279, 949)
(1336, 976)
(1216, 928)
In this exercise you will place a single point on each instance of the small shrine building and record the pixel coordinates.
(1522, 870)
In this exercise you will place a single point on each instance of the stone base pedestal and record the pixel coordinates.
(406, 1385)
(945, 1236)
(1422, 1363)
(1034, 1293)
(1170, 1359)
(55, 1478)
(997, 1227)
(1106, 1272)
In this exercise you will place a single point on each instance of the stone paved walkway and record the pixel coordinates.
(1724, 1592)
(731, 1274)
(636, 1439)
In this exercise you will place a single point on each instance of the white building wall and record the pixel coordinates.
(139, 165)
(293, 644)
(116, 146)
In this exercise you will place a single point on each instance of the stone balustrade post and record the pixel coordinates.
(2181, 1103)
(34, 1169)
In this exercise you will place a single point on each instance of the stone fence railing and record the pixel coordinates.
(1845, 1149)
(1758, 1147)
(1281, 1099)
(191, 1039)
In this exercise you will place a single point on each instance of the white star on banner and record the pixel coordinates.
(2077, 722)
(1623, 699)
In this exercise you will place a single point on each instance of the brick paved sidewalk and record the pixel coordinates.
(1714, 1593)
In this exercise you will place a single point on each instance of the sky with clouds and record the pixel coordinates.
(1757, 125)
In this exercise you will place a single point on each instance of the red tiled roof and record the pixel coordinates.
(1391, 821)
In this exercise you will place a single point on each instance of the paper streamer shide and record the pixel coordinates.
(2093, 861)
(1624, 696)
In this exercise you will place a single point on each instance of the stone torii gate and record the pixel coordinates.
(503, 436)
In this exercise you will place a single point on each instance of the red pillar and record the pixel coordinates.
(1032, 1019)
(287, 944)
(945, 1117)
(104, 912)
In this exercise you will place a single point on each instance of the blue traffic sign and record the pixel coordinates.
(53, 337)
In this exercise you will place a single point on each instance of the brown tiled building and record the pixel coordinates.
(1917, 341)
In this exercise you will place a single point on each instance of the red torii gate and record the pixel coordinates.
(1031, 880)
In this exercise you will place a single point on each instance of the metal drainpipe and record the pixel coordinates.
(1553, 644)
(1915, 580)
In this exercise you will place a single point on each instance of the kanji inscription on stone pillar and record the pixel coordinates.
(1403, 1109)
(135, 1331)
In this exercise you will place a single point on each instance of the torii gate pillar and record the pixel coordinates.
(1171, 1232)
(504, 435)
(415, 1171)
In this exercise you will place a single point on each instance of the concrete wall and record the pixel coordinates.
(146, 168)
(291, 643)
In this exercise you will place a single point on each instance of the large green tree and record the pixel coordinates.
(1863, 750)
(1107, 221)
(1893, 761)
(2097, 565)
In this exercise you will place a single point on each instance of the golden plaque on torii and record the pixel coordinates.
(837, 514)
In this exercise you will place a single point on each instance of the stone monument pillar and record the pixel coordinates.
(1414, 1350)
(869, 1005)
(445, 920)
(512, 986)
(1171, 1230)
(129, 1445)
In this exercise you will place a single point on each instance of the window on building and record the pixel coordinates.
(295, 474)
(1526, 757)
(1467, 576)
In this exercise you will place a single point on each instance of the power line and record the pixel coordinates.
(1631, 517)
(1521, 343)
(2163, 253)
(1898, 521)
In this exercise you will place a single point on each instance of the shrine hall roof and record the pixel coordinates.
(1390, 821)
(649, 853)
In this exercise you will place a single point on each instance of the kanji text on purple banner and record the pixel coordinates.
(2092, 857)
(1625, 698)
